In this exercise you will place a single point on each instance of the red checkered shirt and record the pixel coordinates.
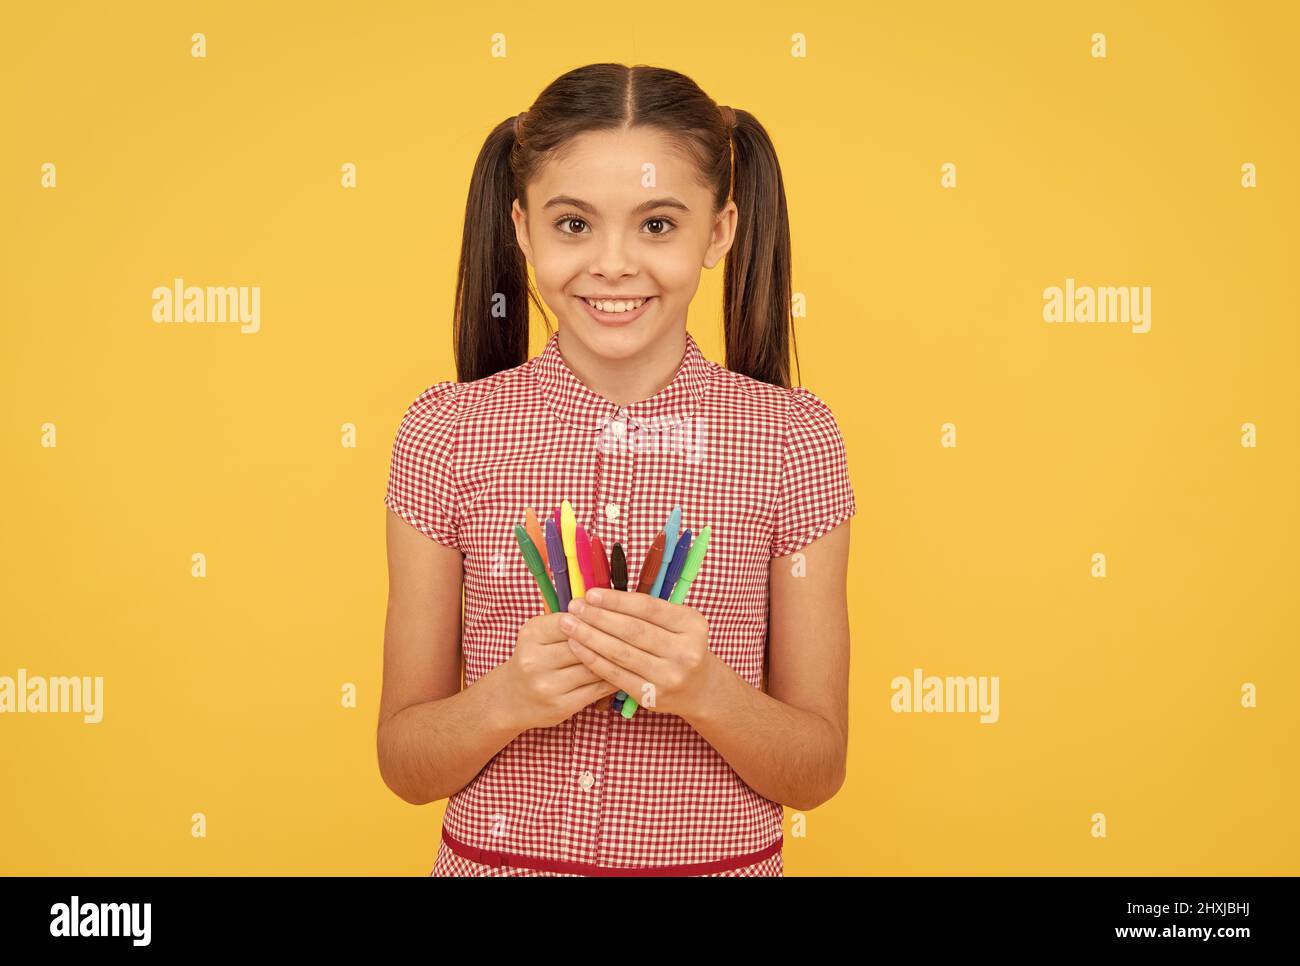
(601, 794)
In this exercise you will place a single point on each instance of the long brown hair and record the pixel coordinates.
(492, 285)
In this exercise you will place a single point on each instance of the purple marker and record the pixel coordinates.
(678, 562)
(559, 565)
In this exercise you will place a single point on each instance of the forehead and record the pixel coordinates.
(609, 169)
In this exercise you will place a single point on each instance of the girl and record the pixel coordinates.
(617, 186)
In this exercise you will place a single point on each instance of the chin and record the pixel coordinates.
(621, 343)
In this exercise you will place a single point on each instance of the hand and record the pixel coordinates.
(633, 640)
(544, 683)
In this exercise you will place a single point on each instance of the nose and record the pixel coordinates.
(612, 260)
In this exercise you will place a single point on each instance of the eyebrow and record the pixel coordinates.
(569, 200)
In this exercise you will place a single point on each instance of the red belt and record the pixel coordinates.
(488, 857)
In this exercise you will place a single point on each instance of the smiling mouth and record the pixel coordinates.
(618, 304)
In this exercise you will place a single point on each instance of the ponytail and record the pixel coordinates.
(490, 329)
(756, 285)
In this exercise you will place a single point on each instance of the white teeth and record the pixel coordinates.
(617, 306)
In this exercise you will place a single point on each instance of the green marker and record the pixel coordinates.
(538, 569)
(694, 557)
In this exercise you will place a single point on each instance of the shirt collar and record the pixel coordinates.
(582, 408)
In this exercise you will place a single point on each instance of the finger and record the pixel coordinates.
(578, 676)
(553, 657)
(579, 698)
(637, 632)
(607, 669)
(653, 610)
(616, 650)
(545, 628)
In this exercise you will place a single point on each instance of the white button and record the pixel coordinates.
(617, 428)
(587, 780)
(611, 511)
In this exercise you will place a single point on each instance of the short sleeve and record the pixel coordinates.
(422, 472)
(814, 495)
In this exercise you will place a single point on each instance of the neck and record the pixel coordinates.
(625, 381)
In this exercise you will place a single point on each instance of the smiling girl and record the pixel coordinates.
(617, 186)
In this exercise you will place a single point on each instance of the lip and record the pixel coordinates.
(616, 318)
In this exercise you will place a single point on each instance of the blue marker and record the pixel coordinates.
(671, 529)
(675, 568)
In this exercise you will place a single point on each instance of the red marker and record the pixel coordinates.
(599, 564)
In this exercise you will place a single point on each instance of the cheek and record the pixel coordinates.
(681, 287)
(555, 266)
(676, 273)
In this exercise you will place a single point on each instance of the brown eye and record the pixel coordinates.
(661, 221)
(569, 221)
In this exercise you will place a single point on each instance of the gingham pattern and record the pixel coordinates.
(448, 863)
(763, 464)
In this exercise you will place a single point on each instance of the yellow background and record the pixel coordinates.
(222, 695)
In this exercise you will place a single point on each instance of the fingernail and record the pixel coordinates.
(576, 605)
(595, 594)
(568, 623)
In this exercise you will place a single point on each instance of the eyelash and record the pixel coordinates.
(576, 217)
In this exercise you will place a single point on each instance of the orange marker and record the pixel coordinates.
(535, 534)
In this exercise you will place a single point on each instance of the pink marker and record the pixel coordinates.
(582, 544)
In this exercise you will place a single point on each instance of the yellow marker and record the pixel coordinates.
(568, 531)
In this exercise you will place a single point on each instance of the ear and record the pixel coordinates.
(520, 218)
(724, 234)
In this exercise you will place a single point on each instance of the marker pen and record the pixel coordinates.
(534, 528)
(599, 563)
(671, 529)
(650, 566)
(568, 527)
(533, 560)
(560, 566)
(618, 568)
(583, 544)
(675, 568)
